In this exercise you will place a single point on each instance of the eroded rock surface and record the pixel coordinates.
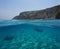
(49, 13)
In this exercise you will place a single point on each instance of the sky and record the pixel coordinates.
(11, 8)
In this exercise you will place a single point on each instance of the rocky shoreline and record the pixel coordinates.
(49, 13)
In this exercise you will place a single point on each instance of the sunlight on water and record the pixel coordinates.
(38, 34)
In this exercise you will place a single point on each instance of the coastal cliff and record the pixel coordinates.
(49, 13)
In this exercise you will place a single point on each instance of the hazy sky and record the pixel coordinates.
(11, 8)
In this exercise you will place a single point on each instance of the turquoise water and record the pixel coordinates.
(25, 34)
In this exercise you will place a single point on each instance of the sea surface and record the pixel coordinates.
(30, 34)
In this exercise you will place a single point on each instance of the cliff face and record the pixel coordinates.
(49, 13)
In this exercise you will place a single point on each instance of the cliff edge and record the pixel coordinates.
(49, 13)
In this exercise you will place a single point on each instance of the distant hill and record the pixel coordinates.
(49, 13)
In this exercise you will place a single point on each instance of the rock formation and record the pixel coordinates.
(49, 13)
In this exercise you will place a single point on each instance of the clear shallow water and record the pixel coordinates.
(36, 34)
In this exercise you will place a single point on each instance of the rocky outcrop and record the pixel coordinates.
(49, 13)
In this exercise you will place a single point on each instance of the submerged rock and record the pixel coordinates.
(38, 30)
(9, 38)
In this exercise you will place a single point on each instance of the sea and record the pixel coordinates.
(29, 34)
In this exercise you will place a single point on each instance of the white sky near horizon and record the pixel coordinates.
(11, 8)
